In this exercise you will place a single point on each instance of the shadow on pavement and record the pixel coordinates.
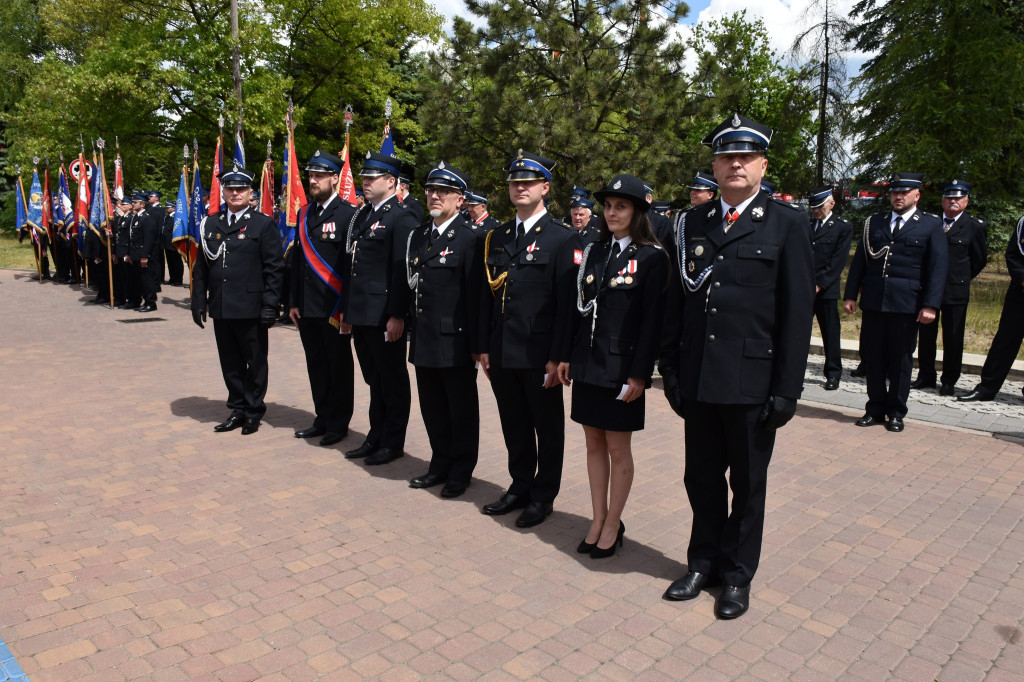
(213, 411)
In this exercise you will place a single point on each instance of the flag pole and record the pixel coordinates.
(105, 228)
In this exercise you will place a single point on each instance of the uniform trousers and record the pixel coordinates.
(451, 414)
(159, 259)
(242, 347)
(133, 292)
(148, 281)
(331, 373)
(720, 438)
(888, 343)
(1006, 342)
(826, 311)
(102, 280)
(533, 423)
(119, 284)
(175, 266)
(384, 370)
(62, 259)
(953, 318)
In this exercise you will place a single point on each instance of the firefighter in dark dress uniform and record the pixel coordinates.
(531, 265)
(661, 225)
(315, 299)
(144, 250)
(581, 216)
(237, 279)
(738, 331)
(375, 301)
(1010, 333)
(131, 294)
(615, 339)
(703, 188)
(445, 271)
(899, 273)
(830, 241)
(404, 191)
(966, 238)
(476, 209)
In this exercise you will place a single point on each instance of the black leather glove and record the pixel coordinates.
(673, 393)
(268, 316)
(776, 412)
(199, 316)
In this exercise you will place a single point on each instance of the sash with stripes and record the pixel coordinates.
(320, 266)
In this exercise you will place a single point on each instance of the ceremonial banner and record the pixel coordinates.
(118, 178)
(34, 216)
(294, 194)
(239, 150)
(195, 213)
(21, 213)
(181, 238)
(347, 186)
(266, 206)
(215, 194)
(62, 207)
(47, 206)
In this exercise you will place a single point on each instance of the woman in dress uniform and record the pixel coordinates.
(611, 347)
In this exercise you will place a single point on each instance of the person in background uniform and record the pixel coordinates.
(237, 280)
(206, 203)
(662, 208)
(768, 187)
(94, 252)
(899, 273)
(738, 331)
(131, 292)
(143, 246)
(476, 209)
(62, 253)
(531, 265)
(1010, 333)
(703, 188)
(404, 183)
(581, 216)
(445, 269)
(318, 256)
(620, 301)
(360, 199)
(830, 242)
(155, 210)
(254, 203)
(661, 225)
(966, 238)
(175, 264)
(375, 301)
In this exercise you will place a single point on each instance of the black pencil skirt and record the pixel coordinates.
(596, 406)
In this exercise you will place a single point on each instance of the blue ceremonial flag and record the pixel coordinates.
(181, 211)
(62, 206)
(196, 212)
(34, 213)
(239, 150)
(387, 145)
(98, 210)
(21, 216)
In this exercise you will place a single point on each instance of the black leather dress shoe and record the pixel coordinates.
(977, 395)
(505, 504)
(230, 424)
(311, 432)
(859, 372)
(362, 451)
(250, 426)
(332, 437)
(146, 309)
(383, 456)
(920, 383)
(832, 384)
(690, 585)
(427, 480)
(947, 389)
(534, 513)
(453, 489)
(895, 424)
(733, 602)
(868, 420)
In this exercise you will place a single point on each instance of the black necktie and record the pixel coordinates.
(817, 224)
(318, 210)
(896, 226)
(234, 219)
(434, 234)
(520, 233)
(616, 250)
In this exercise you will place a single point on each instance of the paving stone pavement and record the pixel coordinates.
(135, 543)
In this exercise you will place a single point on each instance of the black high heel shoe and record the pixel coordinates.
(604, 553)
(585, 547)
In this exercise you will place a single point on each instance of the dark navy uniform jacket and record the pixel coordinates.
(327, 232)
(744, 333)
(518, 318)
(238, 282)
(910, 276)
(831, 246)
(376, 286)
(625, 340)
(144, 236)
(968, 253)
(122, 230)
(446, 304)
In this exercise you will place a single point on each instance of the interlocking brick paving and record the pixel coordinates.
(135, 543)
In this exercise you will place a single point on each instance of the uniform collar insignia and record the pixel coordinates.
(757, 212)
(712, 212)
(245, 217)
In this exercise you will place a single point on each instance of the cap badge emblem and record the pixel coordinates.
(367, 154)
(235, 167)
(617, 185)
(317, 153)
(519, 155)
(736, 121)
(441, 165)
(956, 182)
